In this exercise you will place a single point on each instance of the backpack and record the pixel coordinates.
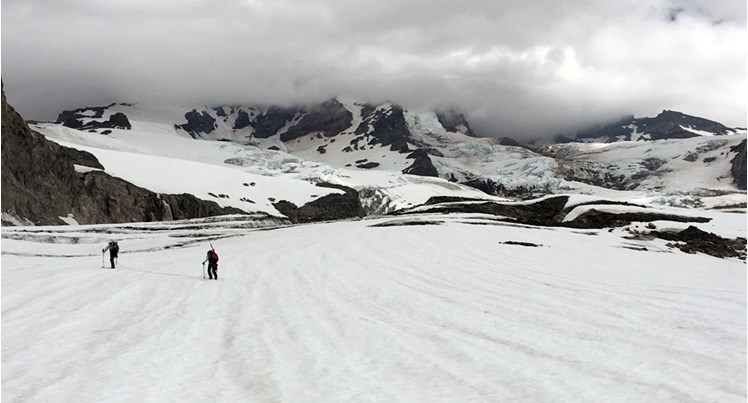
(115, 248)
(212, 256)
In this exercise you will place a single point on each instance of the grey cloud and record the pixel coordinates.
(515, 68)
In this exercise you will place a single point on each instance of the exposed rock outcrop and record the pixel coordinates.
(693, 240)
(198, 123)
(328, 118)
(333, 206)
(120, 201)
(242, 120)
(549, 211)
(89, 119)
(386, 127)
(267, 124)
(738, 168)
(422, 165)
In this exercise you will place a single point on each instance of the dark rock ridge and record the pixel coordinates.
(40, 184)
(455, 122)
(666, 125)
(267, 124)
(386, 127)
(549, 211)
(74, 119)
(738, 168)
(118, 201)
(80, 157)
(198, 122)
(601, 219)
(693, 240)
(329, 118)
(333, 206)
(422, 165)
(242, 120)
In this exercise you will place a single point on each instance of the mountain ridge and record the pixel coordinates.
(338, 142)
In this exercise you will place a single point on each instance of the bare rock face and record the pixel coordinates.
(117, 121)
(268, 123)
(738, 169)
(89, 119)
(198, 123)
(242, 120)
(329, 207)
(388, 127)
(38, 183)
(120, 201)
(422, 165)
(329, 118)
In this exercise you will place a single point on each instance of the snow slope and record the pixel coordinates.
(242, 176)
(443, 311)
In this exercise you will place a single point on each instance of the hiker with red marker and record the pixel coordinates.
(212, 259)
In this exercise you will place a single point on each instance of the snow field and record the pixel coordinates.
(403, 313)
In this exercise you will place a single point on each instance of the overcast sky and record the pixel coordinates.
(515, 68)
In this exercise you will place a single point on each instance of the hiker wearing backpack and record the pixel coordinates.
(212, 259)
(113, 249)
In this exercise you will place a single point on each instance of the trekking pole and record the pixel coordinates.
(102, 260)
(203, 270)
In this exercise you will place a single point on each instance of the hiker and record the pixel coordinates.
(212, 259)
(113, 249)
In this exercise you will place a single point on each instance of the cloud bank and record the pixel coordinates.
(515, 69)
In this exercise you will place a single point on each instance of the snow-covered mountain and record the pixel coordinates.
(353, 139)
(666, 125)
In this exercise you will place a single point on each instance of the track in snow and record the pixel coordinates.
(349, 312)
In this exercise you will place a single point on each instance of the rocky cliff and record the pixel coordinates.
(738, 169)
(40, 185)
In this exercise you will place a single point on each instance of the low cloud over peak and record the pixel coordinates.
(515, 69)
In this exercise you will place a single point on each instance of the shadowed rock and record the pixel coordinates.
(198, 123)
(333, 206)
(329, 118)
(738, 168)
(695, 240)
(268, 123)
(75, 119)
(386, 127)
(422, 165)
